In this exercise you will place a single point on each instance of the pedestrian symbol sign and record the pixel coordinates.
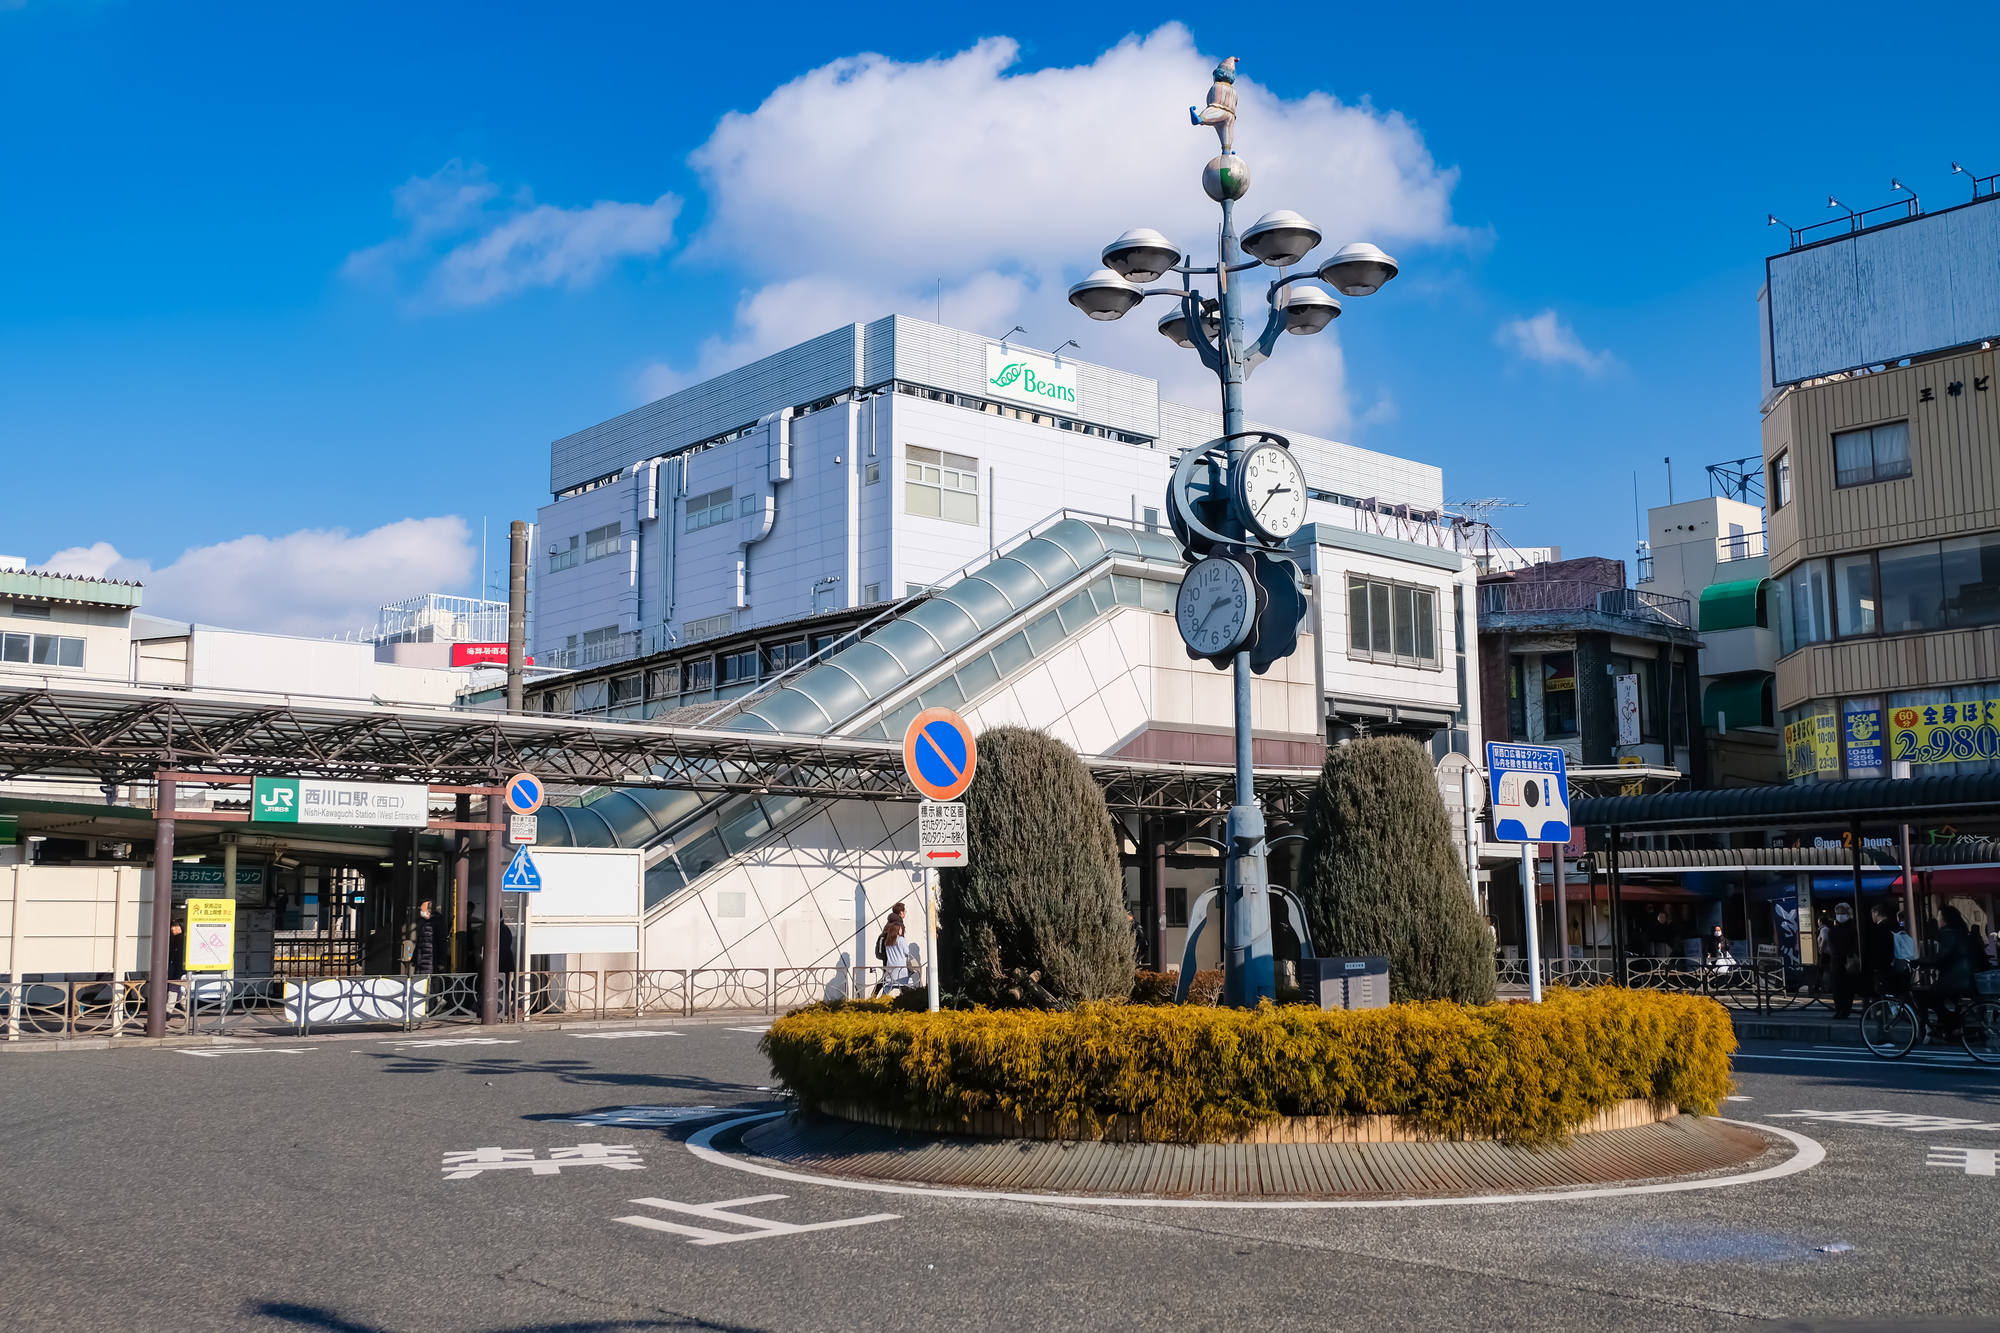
(939, 754)
(1530, 786)
(521, 876)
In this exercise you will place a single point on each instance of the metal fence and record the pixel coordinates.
(1764, 986)
(277, 1005)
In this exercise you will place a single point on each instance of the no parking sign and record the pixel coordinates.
(939, 754)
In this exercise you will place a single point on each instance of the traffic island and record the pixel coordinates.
(1587, 1088)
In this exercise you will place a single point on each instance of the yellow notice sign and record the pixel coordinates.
(211, 934)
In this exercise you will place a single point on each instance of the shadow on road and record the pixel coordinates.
(316, 1316)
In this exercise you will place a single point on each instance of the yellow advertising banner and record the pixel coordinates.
(1812, 745)
(1945, 733)
(211, 934)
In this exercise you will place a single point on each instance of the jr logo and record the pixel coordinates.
(275, 800)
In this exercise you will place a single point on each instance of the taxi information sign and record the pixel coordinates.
(941, 833)
(1530, 786)
(211, 934)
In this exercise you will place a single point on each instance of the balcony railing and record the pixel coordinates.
(614, 649)
(1577, 595)
(1739, 546)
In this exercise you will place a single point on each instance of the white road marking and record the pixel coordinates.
(251, 1050)
(1941, 1057)
(614, 1036)
(1974, 1161)
(616, 1156)
(459, 1041)
(1809, 1155)
(765, 1028)
(651, 1115)
(1916, 1124)
(762, 1229)
(1870, 1060)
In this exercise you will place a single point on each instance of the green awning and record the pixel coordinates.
(1734, 605)
(1744, 699)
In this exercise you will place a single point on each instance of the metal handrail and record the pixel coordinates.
(1854, 222)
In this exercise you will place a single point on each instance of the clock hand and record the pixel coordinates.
(1212, 607)
(1275, 490)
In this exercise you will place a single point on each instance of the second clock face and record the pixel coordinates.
(1217, 607)
(1272, 491)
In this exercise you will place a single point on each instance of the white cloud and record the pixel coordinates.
(855, 188)
(314, 582)
(1548, 339)
(466, 244)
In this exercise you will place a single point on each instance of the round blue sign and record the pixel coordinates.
(524, 794)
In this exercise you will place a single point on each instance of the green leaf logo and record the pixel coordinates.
(1008, 375)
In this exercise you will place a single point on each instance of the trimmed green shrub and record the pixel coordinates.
(1384, 874)
(1522, 1073)
(1044, 891)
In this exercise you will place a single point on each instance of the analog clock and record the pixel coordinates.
(1217, 608)
(1271, 490)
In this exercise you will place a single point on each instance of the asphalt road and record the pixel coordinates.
(271, 1190)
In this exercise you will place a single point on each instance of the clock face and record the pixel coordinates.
(1217, 606)
(1273, 491)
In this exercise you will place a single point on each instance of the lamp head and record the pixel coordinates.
(1308, 309)
(1173, 326)
(1358, 270)
(1141, 255)
(1105, 295)
(1280, 239)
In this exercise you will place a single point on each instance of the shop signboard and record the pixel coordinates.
(1812, 745)
(1954, 733)
(1046, 382)
(1628, 710)
(482, 654)
(190, 880)
(1864, 738)
(315, 801)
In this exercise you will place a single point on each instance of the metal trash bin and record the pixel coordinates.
(1352, 982)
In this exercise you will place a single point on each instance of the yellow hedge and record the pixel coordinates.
(1523, 1073)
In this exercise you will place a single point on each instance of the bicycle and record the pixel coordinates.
(1891, 1026)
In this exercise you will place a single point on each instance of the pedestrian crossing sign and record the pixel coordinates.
(521, 876)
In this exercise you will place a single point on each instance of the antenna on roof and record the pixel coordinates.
(1737, 481)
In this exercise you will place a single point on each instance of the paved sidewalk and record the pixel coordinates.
(373, 1031)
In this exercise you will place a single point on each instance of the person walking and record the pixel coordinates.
(900, 958)
(1843, 960)
(1883, 977)
(419, 947)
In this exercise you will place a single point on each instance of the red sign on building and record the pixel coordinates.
(482, 654)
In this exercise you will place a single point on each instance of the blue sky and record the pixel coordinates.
(295, 296)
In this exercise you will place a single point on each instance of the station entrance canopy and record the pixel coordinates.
(118, 735)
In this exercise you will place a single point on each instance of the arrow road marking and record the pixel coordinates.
(762, 1228)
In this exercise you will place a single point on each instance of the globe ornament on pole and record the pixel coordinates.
(1226, 178)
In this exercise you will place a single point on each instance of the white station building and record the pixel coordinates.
(898, 515)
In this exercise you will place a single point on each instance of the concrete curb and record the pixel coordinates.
(69, 1045)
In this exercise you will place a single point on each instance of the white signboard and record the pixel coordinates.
(1530, 792)
(521, 828)
(941, 833)
(1628, 710)
(1040, 381)
(315, 801)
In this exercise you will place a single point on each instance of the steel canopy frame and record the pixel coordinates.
(118, 735)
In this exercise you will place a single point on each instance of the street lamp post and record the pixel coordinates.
(1266, 609)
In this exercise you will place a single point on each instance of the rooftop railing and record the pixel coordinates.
(1504, 598)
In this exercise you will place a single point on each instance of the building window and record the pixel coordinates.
(711, 507)
(783, 656)
(1971, 580)
(1880, 453)
(1559, 694)
(41, 650)
(739, 668)
(874, 473)
(1781, 479)
(600, 542)
(31, 611)
(1152, 519)
(1912, 588)
(1517, 698)
(626, 689)
(1176, 904)
(871, 593)
(707, 627)
(698, 675)
(1802, 610)
(940, 485)
(1392, 622)
(564, 557)
(1854, 593)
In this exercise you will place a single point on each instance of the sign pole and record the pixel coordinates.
(1531, 908)
(930, 929)
(163, 907)
(489, 944)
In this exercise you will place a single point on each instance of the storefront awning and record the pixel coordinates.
(1737, 605)
(1878, 800)
(1742, 701)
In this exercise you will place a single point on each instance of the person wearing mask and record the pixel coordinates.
(1715, 948)
(1843, 960)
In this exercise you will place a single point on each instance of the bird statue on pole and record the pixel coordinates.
(1221, 109)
